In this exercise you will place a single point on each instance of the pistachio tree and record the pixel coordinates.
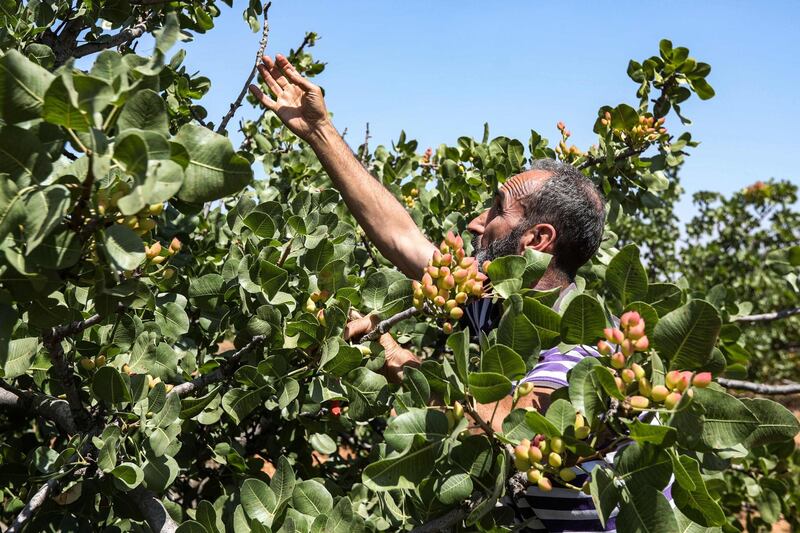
(171, 339)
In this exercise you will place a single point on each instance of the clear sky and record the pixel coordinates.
(440, 69)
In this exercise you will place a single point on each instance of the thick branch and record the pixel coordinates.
(387, 324)
(760, 388)
(765, 317)
(153, 510)
(225, 370)
(33, 505)
(625, 154)
(51, 408)
(473, 414)
(238, 102)
(123, 37)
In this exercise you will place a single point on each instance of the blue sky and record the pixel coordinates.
(440, 69)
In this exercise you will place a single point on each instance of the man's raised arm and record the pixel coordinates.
(300, 105)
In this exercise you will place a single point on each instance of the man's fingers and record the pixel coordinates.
(267, 77)
(275, 72)
(359, 327)
(265, 100)
(292, 73)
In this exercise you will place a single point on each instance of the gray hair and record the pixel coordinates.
(571, 203)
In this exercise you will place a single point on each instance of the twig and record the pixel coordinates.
(444, 522)
(387, 324)
(33, 505)
(225, 369)
(759, 388)
(261, 47)
(364, 155)
(478, 420)
(286, 252)
(368, 247)
(776, 315)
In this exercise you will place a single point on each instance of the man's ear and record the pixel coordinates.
(541, 237)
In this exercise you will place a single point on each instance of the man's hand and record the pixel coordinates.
(298, 102)
(396, 357)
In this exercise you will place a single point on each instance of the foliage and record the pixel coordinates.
(136, 247)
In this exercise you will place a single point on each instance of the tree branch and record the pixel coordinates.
(224, 370)
(625, 154)
(153, 510)
(760, 388)
(765, 317)
(123, 37)
(51, 408)
(442, 523)
(473, 414)
(238, 102)
(36, 501)
(387, 324)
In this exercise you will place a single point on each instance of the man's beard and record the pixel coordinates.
(508, 245)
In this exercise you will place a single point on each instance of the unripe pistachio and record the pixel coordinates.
(477, 289)
(321, 318)
(126, 368)
(628, 376)
(175, 245)
(659, 393)
(459, 255)
(543, 445)
(620, 384)
(639, 402)
(466, 262)
(567, 474)
(526, 443)
(521, 464)
(100, 361)
(460, 275)
(146, 224)
(447, 327)
(604, 348)
(557, 444)
(582, 432)
(461, 297)
(168, 386)
(447, 259)
(534, 476)
(672, 400)
(554, 460)
(627, 347)
(443, 292)
(642, 344)
(155, 209)
(430, 291)
(168, 273)
(153, 251)
(132, 221)
(433, 271)
(618, 360)
(449, 282)
(437, 258)
(450, 304)
(544, 484)
(459, 242)
(439, 301)
(645, 387)
(456, 313)
(417, 302)
(579, 421)
(637, 331)
(458, 410)
(450, 238)
(444, 248)
(152, 382)
(637, 370)
(684, 381)
(613, 335)
(672, 379)
(702, 380)
(444, 271)
(87, 363)
(534, 454)
(629, 319)
(364, 349)
(524, 388)
(158, 259)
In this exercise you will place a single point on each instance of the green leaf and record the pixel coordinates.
(282, 482)
(145, 110)
(500, 359)
(239, 403)
(576, 378)
(109, 386)
(124, 249)
(172, 320)
(290, 391)
(726, 422)
(345, 359)
(431, 424)
(129, 475)
(561, 414)
(546, 321)
(459, 343)
(191, 407)
(258, 500)
(605, 494)
(272, 278)
(160, 472)
(537, 263)
(663, 297)
(398, 298)
(22, 156)
(214, 170)
(697, 504)
(658, 435)
(368, 393)
(403, 471)
(453, 488)
(506, 274)
(541, 424)
(625, 275)
(603, 376)
(415, 382)
(22, 88)
(488, 387)
(775, 423)
(311, 498)
(687, 335)
(44, 212)
(515, 426)
(332, 276)
(583, 321)
(517, 332)
(260, 222)
(642, 464)
(646, 511)
(19, 357)
(322, 443)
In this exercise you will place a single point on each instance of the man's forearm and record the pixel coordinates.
(387, 224)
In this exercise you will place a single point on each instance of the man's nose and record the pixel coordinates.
(478, 224)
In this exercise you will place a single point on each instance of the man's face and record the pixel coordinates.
(498, 229)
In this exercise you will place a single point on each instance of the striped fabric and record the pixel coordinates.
(561, 510)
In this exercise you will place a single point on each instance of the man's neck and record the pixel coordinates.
(551, 279)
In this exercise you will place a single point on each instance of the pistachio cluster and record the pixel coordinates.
(142, 222)
(562, 149)
(648, 129)
(156, 253)
(544, 459)
(90, 363)
(631, 378)
(448, 281)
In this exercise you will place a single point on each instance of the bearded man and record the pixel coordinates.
(551, 208)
